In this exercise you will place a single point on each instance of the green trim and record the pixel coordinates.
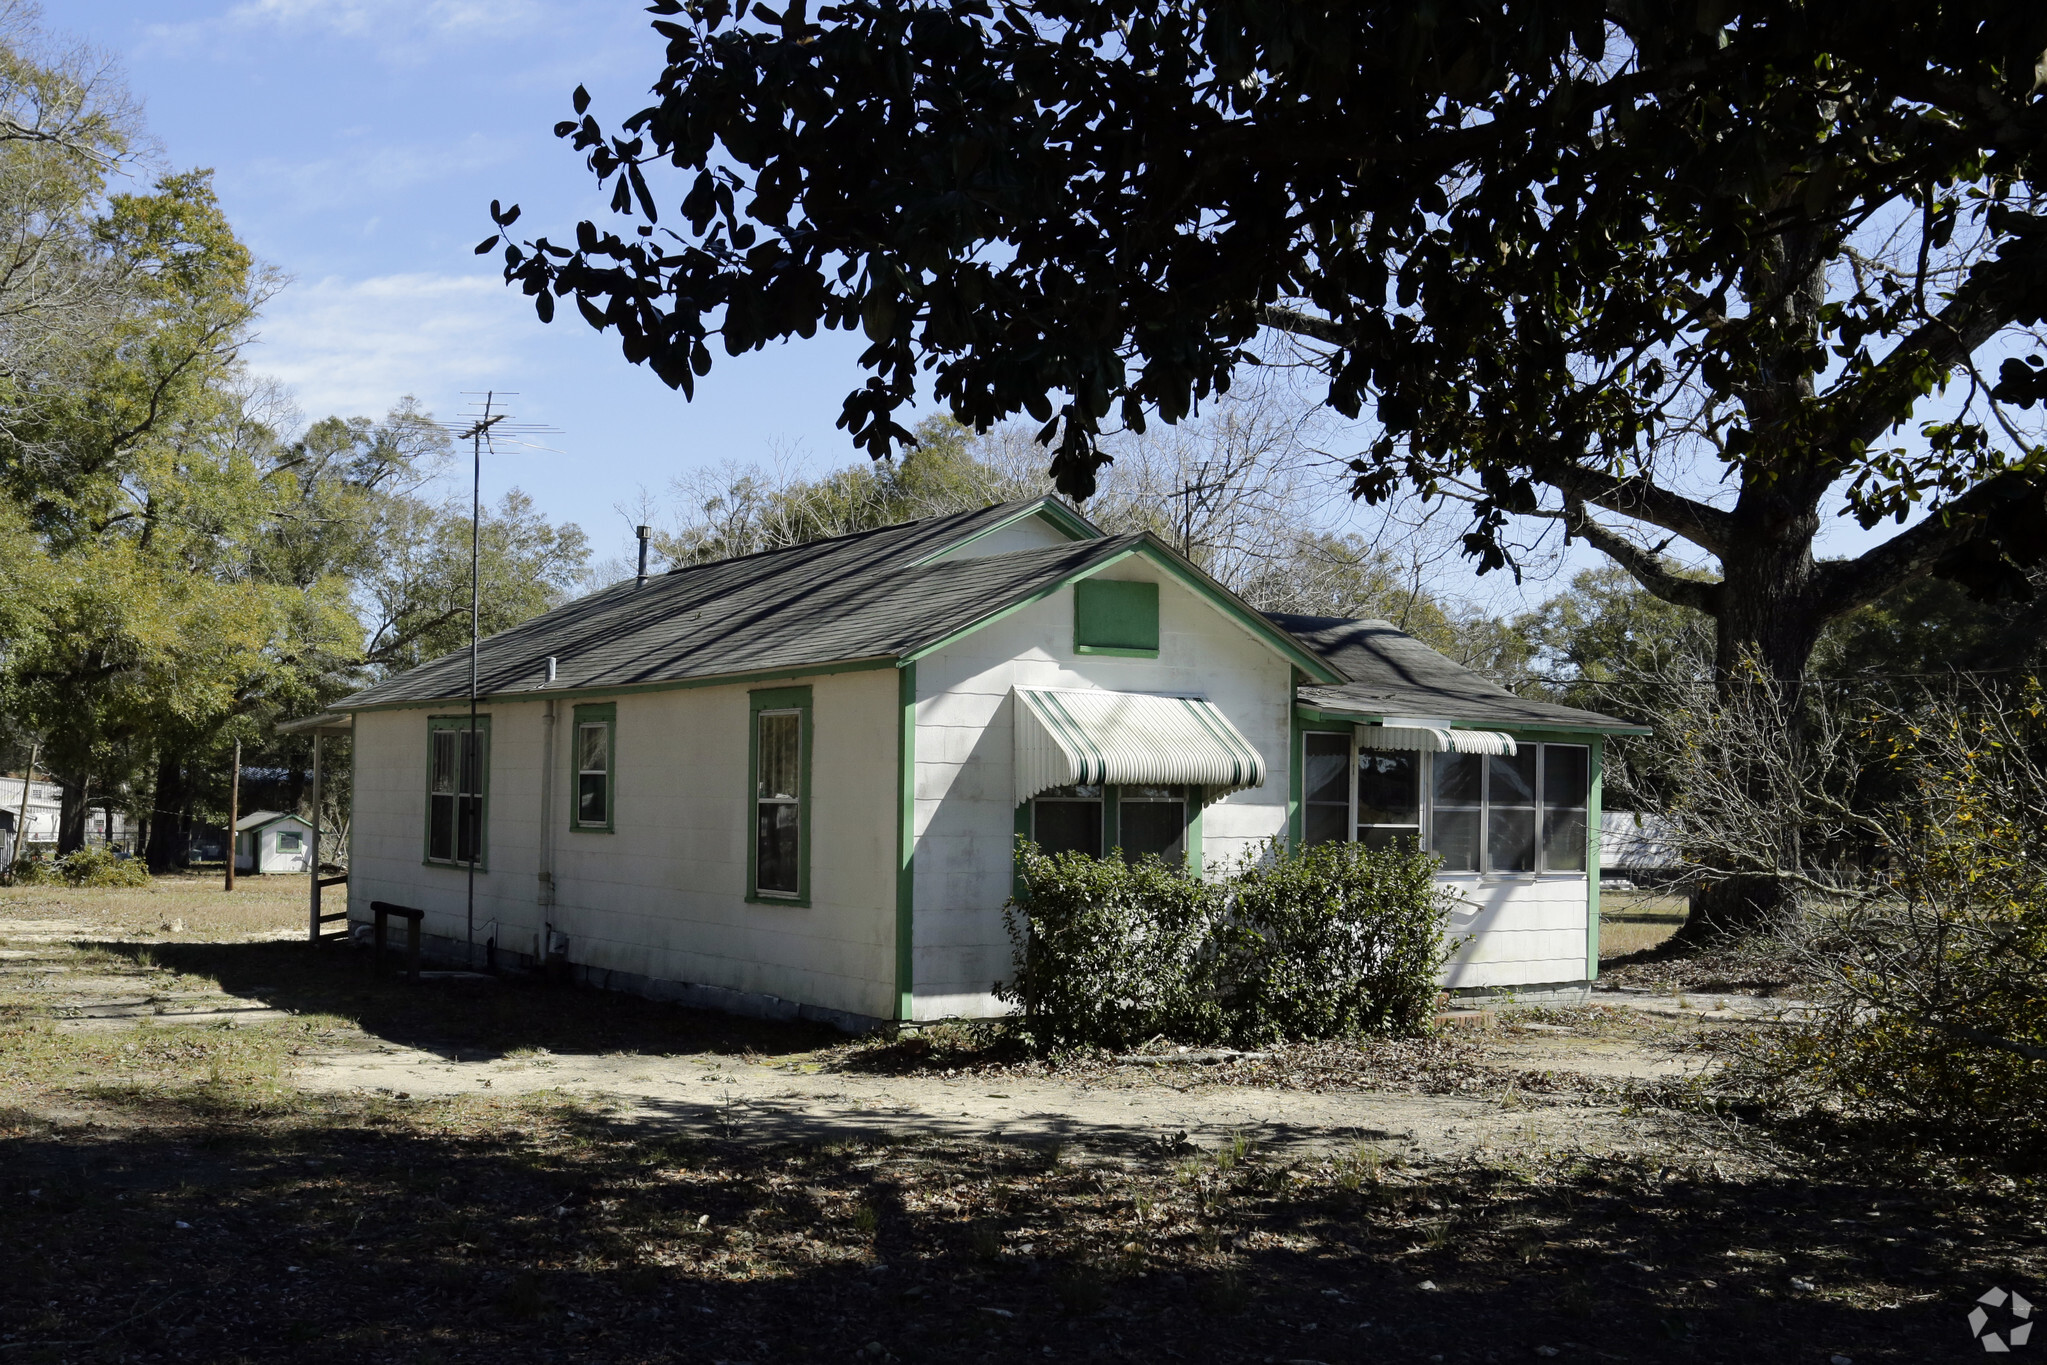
(906, 841)
(1023, 831)
(1296, 757)
(594, 713)
(633, 689)
(457, 723)
(1157, 552)
(1593, 798)
(778, 699)
(1116, 653)
(1112, 819)
(1063, 519)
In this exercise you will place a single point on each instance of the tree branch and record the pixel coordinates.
(1845, 584)
(1641, 499)
(1291, 320)
(1642, 565)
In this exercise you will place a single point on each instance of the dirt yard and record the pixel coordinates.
(220, 1144)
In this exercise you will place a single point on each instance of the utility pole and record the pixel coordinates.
(234, 814)
(21, 817)
(469, 768)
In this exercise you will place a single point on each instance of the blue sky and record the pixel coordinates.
(357, 145)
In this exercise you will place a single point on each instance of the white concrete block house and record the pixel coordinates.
(790, 783)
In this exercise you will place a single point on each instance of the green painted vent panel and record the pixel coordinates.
(1121, 618)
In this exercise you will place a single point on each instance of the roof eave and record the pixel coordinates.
(1321, 711)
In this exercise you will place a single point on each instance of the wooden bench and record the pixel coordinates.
(383, 910)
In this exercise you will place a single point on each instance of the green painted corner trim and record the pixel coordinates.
(1594, 796)
(1296, 756)
(778, 699)
(603, 713)
(906, 841)
(1023, 832)
(457, 722)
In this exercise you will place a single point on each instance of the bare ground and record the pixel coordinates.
(215, 1145)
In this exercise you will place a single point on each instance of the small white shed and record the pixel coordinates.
(268, 841)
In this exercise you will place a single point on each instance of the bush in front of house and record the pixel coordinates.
(1110, 953)
(1326, 942)
(1332, 941)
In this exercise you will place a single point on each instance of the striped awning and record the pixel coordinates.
(1082, 737)
(1435, 739)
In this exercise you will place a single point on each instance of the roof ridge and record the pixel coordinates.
(851, 535)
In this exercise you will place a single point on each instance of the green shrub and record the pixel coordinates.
(99, 867)
(1111, 953)
(1331, 941)
(32, 872)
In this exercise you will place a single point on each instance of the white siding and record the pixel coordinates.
(662, 897)
(1526, 931)
(965, 801)
(1031, 533)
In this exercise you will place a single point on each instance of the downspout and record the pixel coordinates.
(546, 888)
(906, 839)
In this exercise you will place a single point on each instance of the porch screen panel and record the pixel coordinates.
(1566, 780)
(1457, 808)
(1510, 811)
(1068, 820)
(1389, 799)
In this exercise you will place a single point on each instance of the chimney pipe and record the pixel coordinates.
(643, 532)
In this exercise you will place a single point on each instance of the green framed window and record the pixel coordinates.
(1116, 618)
(1164, 822)
(593, 750)
(778, 766)
(457, 790)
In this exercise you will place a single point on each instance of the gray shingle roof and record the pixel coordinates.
(1393, 674)
(832, 601)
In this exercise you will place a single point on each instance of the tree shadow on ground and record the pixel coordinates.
(377, 1231)
(466, 1018)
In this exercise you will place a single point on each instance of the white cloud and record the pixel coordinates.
(402, 30)
(356, 346)
(359, 176)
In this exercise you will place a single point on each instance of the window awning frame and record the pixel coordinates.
(1067, 737)
(1435, 739)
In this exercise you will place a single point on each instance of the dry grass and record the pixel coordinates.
(182, 907)
(1636, 921)
(167, 1194)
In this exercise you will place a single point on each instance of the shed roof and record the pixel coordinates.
(257, 819)
(1393, 675)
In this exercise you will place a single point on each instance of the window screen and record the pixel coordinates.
(1566, 779)
(1152, 822)
(455, 784)
(1068, 820)
(593, 773)
(778, 798)
(1325, 787)
(1389, 798)
(289, 841)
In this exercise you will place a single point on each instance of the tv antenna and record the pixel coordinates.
(485, 425)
